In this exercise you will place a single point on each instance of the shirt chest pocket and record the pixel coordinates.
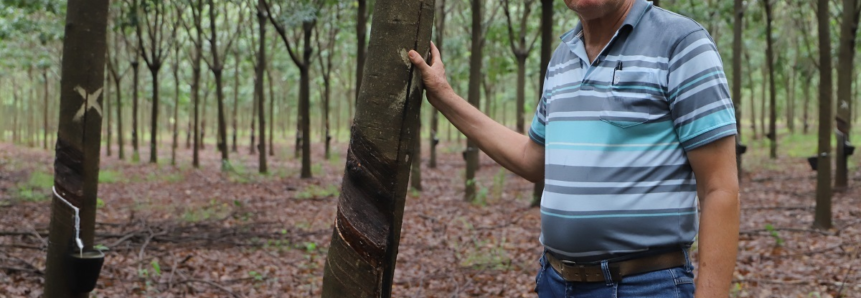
(633, 98)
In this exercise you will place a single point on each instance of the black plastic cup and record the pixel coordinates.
(84, 269)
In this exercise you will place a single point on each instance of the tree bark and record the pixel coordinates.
(736, 77)
(361, 29)
(363, 252)
(76, 165)
(153, 140)
(175, 140)
(217, 67)
(474, 95)
(772, 93)
(195, 94)
(45, 114)
(845, 69)
(135, 81)
(271, 112)
(434, 123)
(119, 109)
(258, 86)
(806, 113)
(235, 101)
(822, 219)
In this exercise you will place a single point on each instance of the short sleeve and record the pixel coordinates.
(539, 122)
(697, 91)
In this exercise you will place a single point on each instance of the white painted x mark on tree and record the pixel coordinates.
(90, 101)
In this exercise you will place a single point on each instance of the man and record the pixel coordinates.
(635, 105)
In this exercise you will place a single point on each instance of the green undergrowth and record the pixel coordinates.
(37, 188)
(110, 176)
(213, 210)
(317, 192)
(483, 254)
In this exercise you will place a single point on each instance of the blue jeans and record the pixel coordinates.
(675, 282)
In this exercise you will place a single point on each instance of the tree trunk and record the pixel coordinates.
(752, 97)
(153, 140)
(363, 252)
(772, 93)
(251, 146)
(45, 114)
(135, 80)
(736, 77)
(175, 142)
(118, 93)
(361, 24)
(762, 102)
(521, 87)
(235, 101)
(195, 96)
(271, 112)
(434, 123)
(806, 113)
(790, 96)
(258, 86)
(305, 99)
(822, 218)
(474, 95)
(222, 121)
(76, 166)
(845, 68)
(325, 102)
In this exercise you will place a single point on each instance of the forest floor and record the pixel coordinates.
(185, 232)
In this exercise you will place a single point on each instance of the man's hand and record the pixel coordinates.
(510, 149)
(433, 75)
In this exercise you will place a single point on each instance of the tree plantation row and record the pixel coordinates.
(203, 56)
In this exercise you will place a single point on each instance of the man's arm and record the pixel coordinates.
(717, 187)
(514, 151)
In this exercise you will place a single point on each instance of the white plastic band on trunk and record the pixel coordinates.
(77, 218)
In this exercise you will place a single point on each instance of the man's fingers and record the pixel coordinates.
(417, 60)
(435, 52)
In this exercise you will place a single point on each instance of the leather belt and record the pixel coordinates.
(591, 272)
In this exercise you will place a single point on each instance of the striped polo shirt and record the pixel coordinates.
(616, 133)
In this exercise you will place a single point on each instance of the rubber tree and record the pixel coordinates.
(772, 90)
(822, 218)
(474, 94)
(327, 46)
(260, 66)
(133, 46)
(154, 48)
(305, 27)
(439, 25)
(363, 252)
(216, 65)
(521, 48)
(194, 31)
(113, 65)
(845, 69)
(76, 165)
